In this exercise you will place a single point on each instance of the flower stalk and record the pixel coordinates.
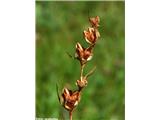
(69, 99)
(70, 115)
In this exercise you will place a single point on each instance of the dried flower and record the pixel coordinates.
(70, 99)
(82, 83)
(91, 35)
(83, 54)
(94, 21)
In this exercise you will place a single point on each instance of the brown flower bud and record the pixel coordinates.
(94, 21)
(91, 35)
(83, 54)
(82, 83)
(70, 99)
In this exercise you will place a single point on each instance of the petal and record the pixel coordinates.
(97, 34)
(88, 41)
(76, 103)
(91, 30)
(97, 19)
(89, 58)
(66, 91)
(79, 47)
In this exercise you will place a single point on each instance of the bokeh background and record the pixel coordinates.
(59, 25)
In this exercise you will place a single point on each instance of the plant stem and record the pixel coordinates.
(81, 73)
(90, 72)
(70, 115)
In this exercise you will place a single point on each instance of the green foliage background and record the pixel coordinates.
(59, 25)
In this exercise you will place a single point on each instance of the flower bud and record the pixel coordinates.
(83, 54)
(82, 83)
(70, 99)
(91, 35)
(94, 21)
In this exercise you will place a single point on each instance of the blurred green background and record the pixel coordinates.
(59, 25)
